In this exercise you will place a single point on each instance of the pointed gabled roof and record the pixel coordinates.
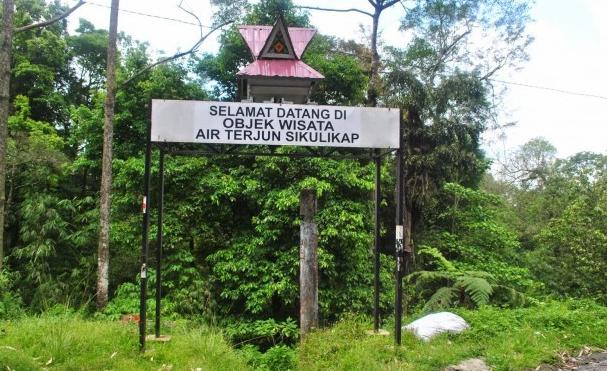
(277, 51)
(301, 37)
(257, 36)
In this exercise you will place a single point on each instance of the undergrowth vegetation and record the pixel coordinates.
(508, 339)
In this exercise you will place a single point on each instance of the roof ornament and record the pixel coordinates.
(278, 44)
(277, 72)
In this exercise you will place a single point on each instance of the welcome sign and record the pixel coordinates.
(274, 124)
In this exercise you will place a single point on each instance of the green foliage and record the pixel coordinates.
(263, 333)
(571, 252)
(451, 284)
(10, 303)
(41, 57)
(508, 339)
(345, 79)
(89, 50)
(431, 257)
(478, 288)
(467, 229)
(441, 299)
(125, 301)
(444, 289)
(557, 210)
(277, 358)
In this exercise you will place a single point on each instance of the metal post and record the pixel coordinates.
(398, 307)
(159, 242)
(144, 238)
(377, 241)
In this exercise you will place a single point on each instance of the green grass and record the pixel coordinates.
(508, 339)
(69, 342)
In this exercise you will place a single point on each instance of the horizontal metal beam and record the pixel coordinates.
(232, 150)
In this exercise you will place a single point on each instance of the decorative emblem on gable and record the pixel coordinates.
(278, 44)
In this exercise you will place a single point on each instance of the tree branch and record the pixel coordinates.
(193, 15)
(175, 56)
(389, 4)
(445, 52)
(335, 10)
(52, 20)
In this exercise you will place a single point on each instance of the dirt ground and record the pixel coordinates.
(586, 360)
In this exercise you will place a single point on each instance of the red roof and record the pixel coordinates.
(256, 36)
(280, 68)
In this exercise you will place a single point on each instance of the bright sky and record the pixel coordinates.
(569, 53)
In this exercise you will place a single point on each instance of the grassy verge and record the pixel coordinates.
(508, 339)
(68, 342)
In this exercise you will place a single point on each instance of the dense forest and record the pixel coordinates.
(532, 229)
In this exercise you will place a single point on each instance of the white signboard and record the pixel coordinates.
(274, 124)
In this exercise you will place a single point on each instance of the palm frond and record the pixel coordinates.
(435, 256)
(482, 274)
(510, 296)
(442, 298)
(477, 288)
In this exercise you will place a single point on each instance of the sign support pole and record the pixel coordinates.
(376, 282)
(144, 238)
(398, 307)
(308, 263)
(159, 242)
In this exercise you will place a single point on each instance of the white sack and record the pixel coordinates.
(436, 323)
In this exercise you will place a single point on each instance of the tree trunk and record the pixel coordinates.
(308, 263)
(103, 252)
(372, 90)
(6, 47)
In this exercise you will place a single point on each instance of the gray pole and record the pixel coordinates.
(398, 307)
(377, 242)
(159, 242)
(144, 237)
(308, 263)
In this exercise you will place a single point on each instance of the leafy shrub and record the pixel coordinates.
(277, 358)
(263, 333)
(126, 301)
(10, 302)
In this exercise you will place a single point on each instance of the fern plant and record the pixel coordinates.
(449, 286)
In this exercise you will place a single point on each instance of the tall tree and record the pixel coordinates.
(6, 43)
(108, 132)
(441, 80)
(378, 8)
(103, 253)
(529, 165)
(6, 46)
(570, 253)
